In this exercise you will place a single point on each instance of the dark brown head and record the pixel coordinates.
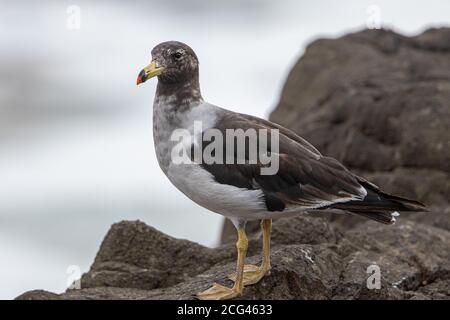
(173, 62)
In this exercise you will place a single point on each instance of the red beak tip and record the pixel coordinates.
(139, 80)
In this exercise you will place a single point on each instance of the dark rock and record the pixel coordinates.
(39, 295)
(307, 229)
(413, 261)
(409, 255)
(134, 255)
(379, 103)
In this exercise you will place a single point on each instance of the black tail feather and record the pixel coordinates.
(400, 203)
(385, 217)
(380, 206)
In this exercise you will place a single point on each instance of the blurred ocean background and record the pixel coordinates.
(76, 149)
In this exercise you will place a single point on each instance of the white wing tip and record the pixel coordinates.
(394, 215)
(363, 192)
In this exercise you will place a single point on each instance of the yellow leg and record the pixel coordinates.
(252, 273)
(219, 292)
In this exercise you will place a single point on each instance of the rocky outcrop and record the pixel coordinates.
(380, 103)
(311, 260)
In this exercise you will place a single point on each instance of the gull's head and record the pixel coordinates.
(172, 62)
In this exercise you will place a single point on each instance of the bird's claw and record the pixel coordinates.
(252, 274)
(218, 292)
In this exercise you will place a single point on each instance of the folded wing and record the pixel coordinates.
(305, 179)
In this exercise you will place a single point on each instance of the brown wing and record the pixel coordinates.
(305, 178)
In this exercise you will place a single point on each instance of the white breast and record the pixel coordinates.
(199, 185)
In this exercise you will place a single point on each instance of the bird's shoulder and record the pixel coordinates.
(289, 141)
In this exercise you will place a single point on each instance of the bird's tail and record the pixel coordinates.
(380, 206)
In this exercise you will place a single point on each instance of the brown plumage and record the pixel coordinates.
(305, 177)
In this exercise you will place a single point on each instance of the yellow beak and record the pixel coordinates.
(150, 71)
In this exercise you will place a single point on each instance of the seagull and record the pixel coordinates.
(236, 187)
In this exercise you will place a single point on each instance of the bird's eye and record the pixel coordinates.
(177, 55)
